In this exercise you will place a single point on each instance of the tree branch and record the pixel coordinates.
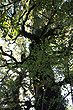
(27, 16)
(45, 28)
(66, 96)
(65, 81)
(7, 4)
(22, 15)
(5, 54)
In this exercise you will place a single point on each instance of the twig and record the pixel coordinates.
(3, 53)
(28, 14)
(43, 99)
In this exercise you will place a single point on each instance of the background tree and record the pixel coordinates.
(47, 26)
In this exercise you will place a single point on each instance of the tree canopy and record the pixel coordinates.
(35, 54)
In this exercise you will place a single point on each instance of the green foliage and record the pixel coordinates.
(41, 30)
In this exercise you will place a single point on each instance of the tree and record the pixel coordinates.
(47, 25)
